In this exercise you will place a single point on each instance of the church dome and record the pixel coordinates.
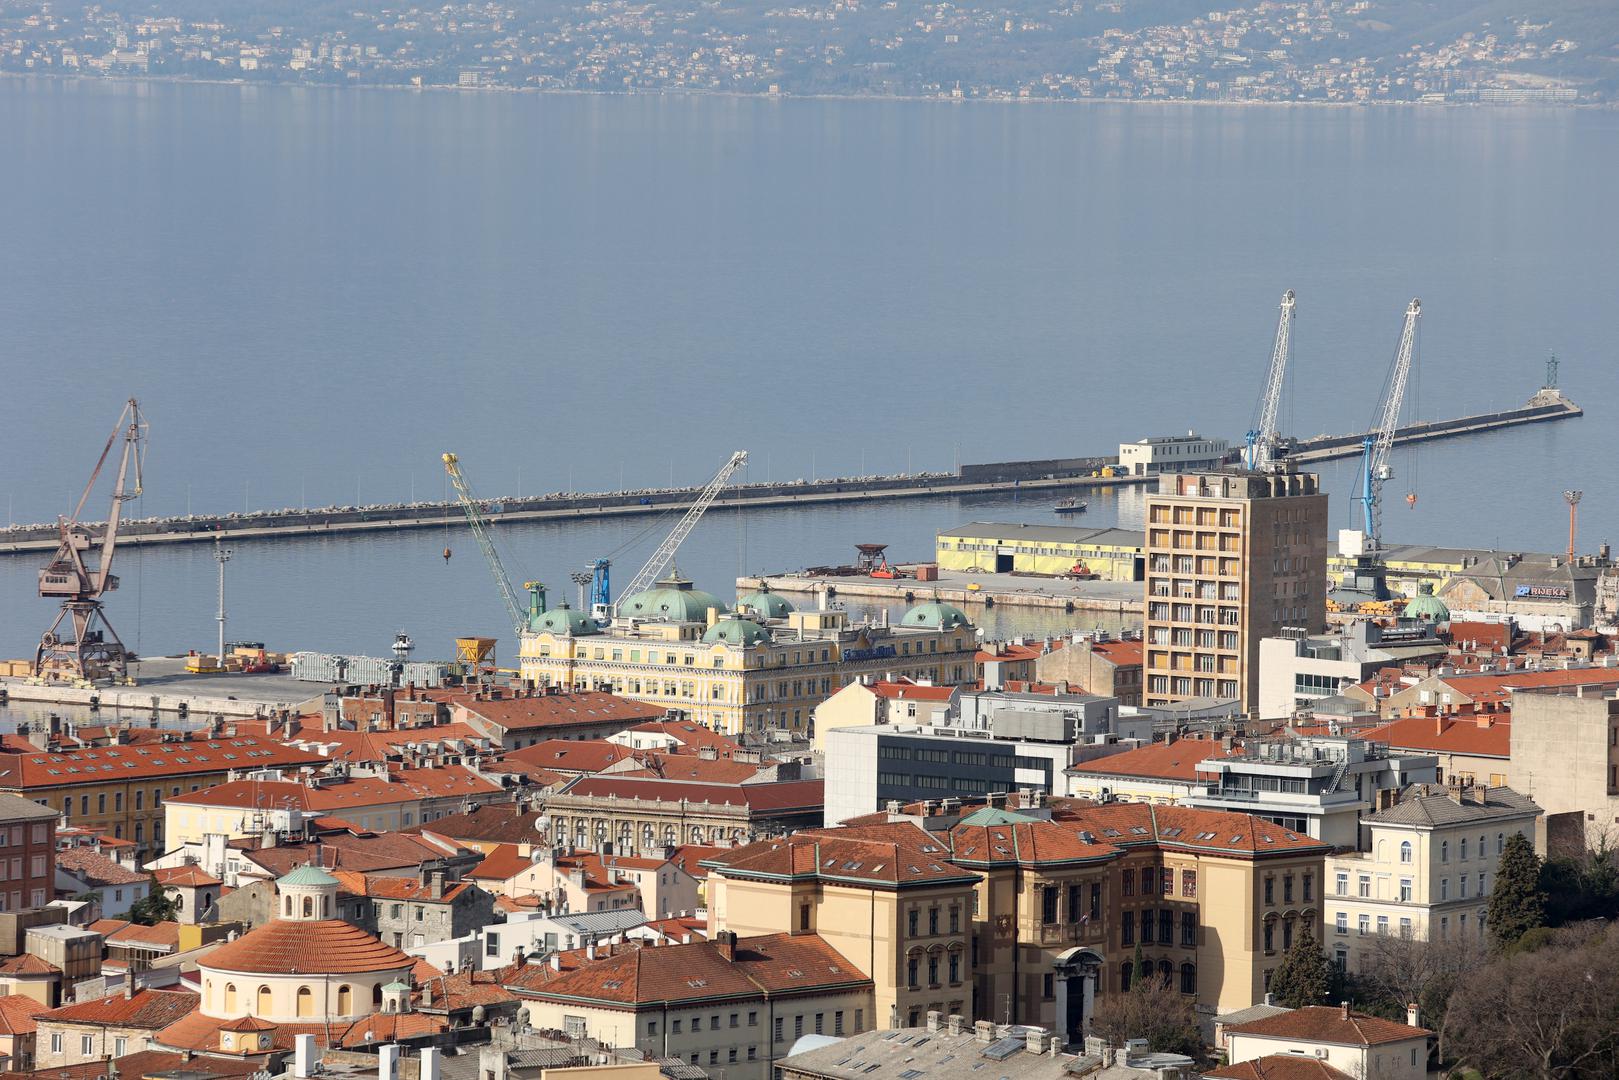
(736, 631)
(1426, 606)
(673, 599)
(563, 620)
(936, 616)
(765, 604)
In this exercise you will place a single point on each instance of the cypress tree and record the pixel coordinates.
(1305, 975)
(1517, 904)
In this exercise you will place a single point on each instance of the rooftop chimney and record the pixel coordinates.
(984, 1031)
(933, 1020)
(953, 1023)
(303, 1056)
(725, 941)
(1344, 1009)
(1413, 1014)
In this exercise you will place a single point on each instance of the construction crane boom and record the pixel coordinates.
(666, 551)
(1379, 442)
(480, 530)
(1262, 440)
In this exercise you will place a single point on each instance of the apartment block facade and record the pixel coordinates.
(1232, 558)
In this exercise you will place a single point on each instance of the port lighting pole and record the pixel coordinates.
(222, 556)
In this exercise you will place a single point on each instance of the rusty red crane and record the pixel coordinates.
(87, 650)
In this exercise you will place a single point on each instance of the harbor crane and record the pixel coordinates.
(1379, 442)
(521, 622)
(666, 551)
(88, 650)
(1263, 441)
(601, 588)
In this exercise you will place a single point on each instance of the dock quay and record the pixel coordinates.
(162, 685)
(1547, 405)
(952, 587)
(1069, 475)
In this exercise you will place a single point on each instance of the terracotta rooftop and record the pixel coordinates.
(398, 888)
(95, 868)
(1121, 653)
(144, 1063)
(147, 1010)
(1159, 761)
(191, 758)
(776, 964)
(341, 851)
(17, 1012)
(895, 855)
(905, 690)
(197, 1032)
(163, 936)
(688, 733)
(558, 710)
(501, 823)
(502, 863)
(690, 767)
(1279, 1067)
(790, 795)
(572, 755)
(325, 947)
(28, 964)
(690, 856)
(1450, 735)
(187, 877)
(1335, 1024)
(394, 744)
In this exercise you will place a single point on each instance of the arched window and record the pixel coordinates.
(345, 1000)
(286, 906)
(230, 997)
(309, 906)
(306, 1002)
(1126, 969)
(1166, 971)
(376, 996)
(1500, 842)
(1405, 851)
(266, 1005)
(326, 907)
(1188, 978)
(1444, 851)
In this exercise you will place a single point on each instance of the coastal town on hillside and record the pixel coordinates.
(1324, 807)
(1345, 51)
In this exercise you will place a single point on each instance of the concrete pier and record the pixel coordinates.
(991, 590)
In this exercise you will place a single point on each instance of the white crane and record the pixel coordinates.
(1262, 439)
(1379, 441)
(666, 551)
(480, 530)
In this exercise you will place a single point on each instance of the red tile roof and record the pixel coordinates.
(496, 822)
(775, 964)
(163, 936)
(17, 1013)
(398, 888)
(502, 863)
(144, 1063)
(1330, 1024)
(894, 855)
(1159, 761)
(148, 1009)
(28, 964)
(324, 947)
(192, 758)
(558, 710)
(689, 734)
(910, 691)
(185, 877)
(342, 851)
(199, 1032)
(572, 755)
(1279, 1067)
(95, 868)
(1121, 653)
(790, 795)
(290, 795)
(1446, 735)
(691, 767)
(386, 745)
(689, 856)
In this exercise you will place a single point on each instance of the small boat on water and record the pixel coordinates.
(1071, 506)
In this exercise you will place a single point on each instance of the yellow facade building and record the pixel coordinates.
(765, 666)
(1004, 548)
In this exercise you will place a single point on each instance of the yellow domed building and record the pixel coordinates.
(303, 972)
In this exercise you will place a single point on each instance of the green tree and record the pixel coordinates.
(1152, 1010)
(1517, 904)
(155, 907)
(1305, 975)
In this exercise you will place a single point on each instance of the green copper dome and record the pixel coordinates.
(1426, 606)
(765, 604)
(308, 875)
(673, 599)
(564, 620)
(736, 631)
(936, 616)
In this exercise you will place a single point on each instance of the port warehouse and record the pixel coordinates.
(998, 548)
(1119, 554)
